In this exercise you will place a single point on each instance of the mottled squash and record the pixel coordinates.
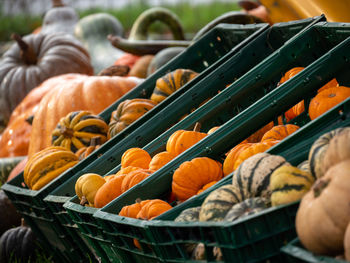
(245, 208)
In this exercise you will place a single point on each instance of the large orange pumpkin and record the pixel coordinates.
(326, 100)
(231, 158)
(80, 92)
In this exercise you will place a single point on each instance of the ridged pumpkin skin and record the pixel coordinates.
(53, 55)
(181, 140)
(192, 176)
(126, 113)
(108, 191)
(133, 178)
(170, 83)
(253, 149)
(289, 184)
(256, 136)
(324, 212)
(218, 203)
(159, 160)
(73, 93)
(87, 186)
(77, 129)
(318, 150)
(136, 157)
(46, 165)
(131, 210)
(150, 209)
(84, 152)
(231, 158)
(279, 132)
(245, 208)
(327, 99)
(189, 215)
(252, 178)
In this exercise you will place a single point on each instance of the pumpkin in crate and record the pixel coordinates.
(84, 152)
(133, 178)
(152, 208)
(327, 99)
(181, 140)
(289, 184)
(189, 215)
(109, 190)
(252, 177)
(159, 160)
(324, 212)
(35, 58)
(231, 158)
(256, 136)
(318, 150)
(253, 149)
(77, 129)
(126, 113)
(279, 132)
(123, 171)
(87, 186)
(247, 207)
(18, 244)
(136, 157)
(46, 165)
(218, 203)
(74, 93)
(170, 83)
(304, 166)
(192, 176)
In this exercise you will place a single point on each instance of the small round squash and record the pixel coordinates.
(133, 178)
(108, 191)
(136, 157)
(279, 132)
(87, 186)
(159, 160)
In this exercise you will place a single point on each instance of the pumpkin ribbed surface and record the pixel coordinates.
(77, 129)
(46, 165)
(74, 93)
(247, 207)
(289, 184)
(192, 176)
(170, 83)
(252, 178)
(279, 132)
(318, 150)
(87, 186)
(231, 158)
(159, 160)
(133, 178)
(126, 113)
(84, 152)
(150, 209)
(218, 203)
(108, 191)
(136, 157)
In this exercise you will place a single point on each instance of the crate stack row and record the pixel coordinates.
(239, 69)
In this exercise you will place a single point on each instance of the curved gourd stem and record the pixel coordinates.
(27, 53)
(144, 47)
(139, 30)
(57, 3)
(197, 127)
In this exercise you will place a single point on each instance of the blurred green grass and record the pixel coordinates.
(192, 17)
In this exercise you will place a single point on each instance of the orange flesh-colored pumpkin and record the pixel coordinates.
(279, 132)
(136, 157)
(252, 150)
(130, 210)
(109, 191)
(73, 92)
(326, 100)
(192, 176)
(206, 186)
(324, 212)
(152, 208)
(231, 158)
(133, 178)
(159, 160)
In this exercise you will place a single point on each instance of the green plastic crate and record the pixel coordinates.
(120, 230)
(248, 56)
(213, 48)
(296, 253)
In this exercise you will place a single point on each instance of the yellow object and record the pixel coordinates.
(288, 10)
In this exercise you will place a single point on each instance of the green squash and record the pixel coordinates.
(245, 208)
(318, 150)
(189, 215)
(252, 177)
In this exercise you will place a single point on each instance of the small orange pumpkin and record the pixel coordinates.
(136, 157)
(108, 191)
(124, 171)
(150, 209)
(159, 160)
(181, 140)
(326, 100)
(279, 132)
(192, 176)
(134, 178)
(231, 158)
(131, 210)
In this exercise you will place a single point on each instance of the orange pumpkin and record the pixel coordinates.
(181, 140)
(127, 59)
(133, 178)
(231, 158)
(326, 100)
(152, 208)
(256, 136)
(108, 191)
(124, 171)
(192, 176)
(136, 157)
(159, 160)
(72, 93)
(252, 150)
(279, 132)
(131, 210)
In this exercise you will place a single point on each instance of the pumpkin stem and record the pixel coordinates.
(319, 186)
(57, 3)
(67, 132)
(23, 222)
(95, 141)
(115, 70)
(197, 127)
(27, 52)
(83, 201)
(138, 200)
